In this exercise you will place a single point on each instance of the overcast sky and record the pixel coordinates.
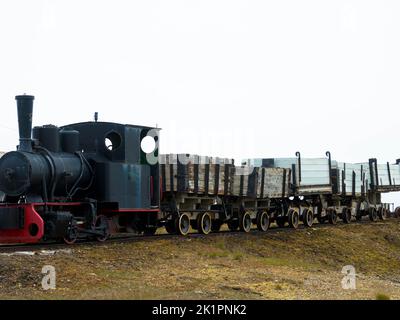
(228, 78)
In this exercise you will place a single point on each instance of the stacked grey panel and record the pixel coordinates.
(384, 177)
(352, 179)
(388, 175)
(310, 176)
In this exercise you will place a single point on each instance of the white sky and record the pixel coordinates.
(229, 78)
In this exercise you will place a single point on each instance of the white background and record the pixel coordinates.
(228, 78)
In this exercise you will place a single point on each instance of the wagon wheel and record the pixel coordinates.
(263, 221)
(204, 223)
(293, 216)
(382, 213)
(71, 234)
(373, 215)
(245, 222)
(182, 224)
(397, 212)
(346, 215)
(332, 216)
(308, 217)
(102, 225)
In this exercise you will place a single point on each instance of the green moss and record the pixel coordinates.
(382, 296)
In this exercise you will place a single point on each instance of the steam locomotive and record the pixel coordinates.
(92, 179)
(67, 183)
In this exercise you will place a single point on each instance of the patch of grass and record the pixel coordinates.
(238, 256)
(220, 244)
(285, 262)
(217, 254)
(382, 296)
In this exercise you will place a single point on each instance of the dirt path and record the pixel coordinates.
(300, 264)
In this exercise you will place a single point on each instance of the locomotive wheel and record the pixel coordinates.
(102, 223)
(308, 217)
(150, 231)
(346, 215)
(183, 224)
(205, 222)
(373, 215)
(332, 216)
(262, 221)
(293, 217)
(281, 221)
(382, 213)
(233, 225)
(216, 225)
(359, 216)
(245, 222)
(72, 234)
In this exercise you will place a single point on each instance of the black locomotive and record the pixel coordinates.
(81, 180)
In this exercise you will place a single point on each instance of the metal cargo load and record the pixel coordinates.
(384, 177)
(308, 175)
(349, 179)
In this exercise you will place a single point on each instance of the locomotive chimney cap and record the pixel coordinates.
(24, 96)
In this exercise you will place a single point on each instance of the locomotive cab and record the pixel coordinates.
(124, 177)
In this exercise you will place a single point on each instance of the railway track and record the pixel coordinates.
(37, 247)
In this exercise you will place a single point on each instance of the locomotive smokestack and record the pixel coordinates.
(25, 108)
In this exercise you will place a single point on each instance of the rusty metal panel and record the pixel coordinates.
(260, 182)
(274, 184)
(190, 173)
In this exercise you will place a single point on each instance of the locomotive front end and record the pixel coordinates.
(35, 175)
